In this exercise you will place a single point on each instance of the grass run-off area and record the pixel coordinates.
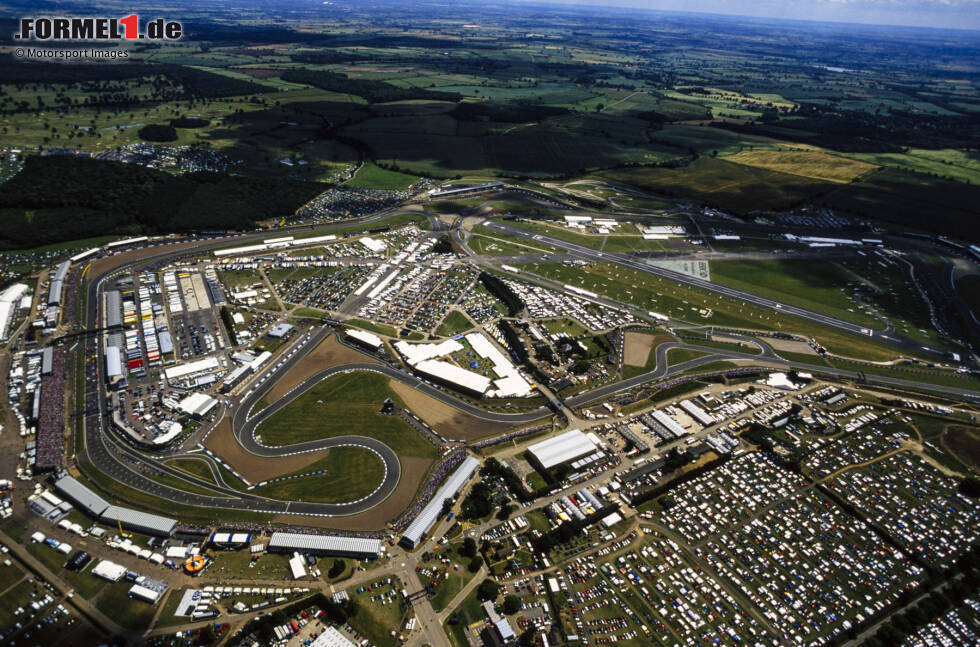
(349, 473)
(812, 164)
(489, 241)
(632, 242)
(820, 286)
(370, 326)
(180, 484)
(680, 355)
(372, 176)
(194, 467)
(116, 491)
(345, 404)
(684, 302)
(454, 323)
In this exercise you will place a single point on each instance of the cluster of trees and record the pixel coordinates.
(513, 339)
(56, 198)
(503, 292)
(443, 245)
(336, 568)
(565, 532)
(477, 503)
(229, 325)
(371, 91)
(158, 133)
(488, 590)
(469, 551)
(946, 594)
(493, 467)
(516, 113)
(336, 612)
(189, 122)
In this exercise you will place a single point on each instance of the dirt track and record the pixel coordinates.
(448, 421)
(639, 345)
(414, 470)
(254, 468)
(329, 353)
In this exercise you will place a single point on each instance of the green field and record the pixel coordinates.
(680, 301)
(947, 163)
(815, 285)
(114, 601)
(372, 176)
(725, 185)
(194, 467)
(900, 197)
(812, 164)
(454, 323)
(345, 404)
(238, 565)
(681, 355)
(85, 584)
(16, 597)
(351, 473)
(377, 621)
(381, 329)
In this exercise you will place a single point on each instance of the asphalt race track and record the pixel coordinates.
(106, 452)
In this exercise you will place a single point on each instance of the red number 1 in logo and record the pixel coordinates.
(130, 23)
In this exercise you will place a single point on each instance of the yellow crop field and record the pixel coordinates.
(820, 166)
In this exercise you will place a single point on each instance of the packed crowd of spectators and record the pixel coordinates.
(516, 434)
(442, 470)
(650, 391)
(51, 416)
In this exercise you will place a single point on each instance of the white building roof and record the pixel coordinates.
(199, 366)
(139, 521)
(454, 374)
(669, 423)
(197, 404)
(81, 496)
(240, 251)
(331, 638)
(511, 382)
(295, 541)
(697, 413)
(415, 353)
(142, 593)
(611, 520)
(296, 567)
(562, 448)
(374, 244)
(109, 570)
(364, 337)
(452, 486)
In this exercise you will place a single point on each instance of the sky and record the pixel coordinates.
(957, 14)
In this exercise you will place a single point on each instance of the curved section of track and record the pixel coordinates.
(111, 456)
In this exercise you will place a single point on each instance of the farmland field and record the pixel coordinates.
(812, 164)
(723, 184)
